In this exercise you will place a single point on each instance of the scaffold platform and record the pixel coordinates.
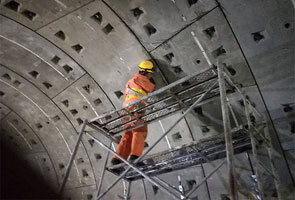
(187, 155)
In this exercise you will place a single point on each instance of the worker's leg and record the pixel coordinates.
(124, 146)
(139, 136)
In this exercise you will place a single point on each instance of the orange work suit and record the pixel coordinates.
(132, 142)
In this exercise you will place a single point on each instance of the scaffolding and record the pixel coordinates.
(183, 95)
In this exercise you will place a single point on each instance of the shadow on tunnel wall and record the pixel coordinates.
(18, 181)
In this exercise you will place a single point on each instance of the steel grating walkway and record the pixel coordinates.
(161, 103)
(205, 150)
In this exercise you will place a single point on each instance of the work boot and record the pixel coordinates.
(132, 159)
(115, 161)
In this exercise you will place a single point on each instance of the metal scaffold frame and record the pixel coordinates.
(221, 82)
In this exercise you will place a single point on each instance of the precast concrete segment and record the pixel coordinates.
(107, 50)
(35, 15)
(151, 24)
(45, 65)
(40, 113)
(181, 55)
(268, 46)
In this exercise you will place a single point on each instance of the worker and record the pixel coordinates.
(132, 142)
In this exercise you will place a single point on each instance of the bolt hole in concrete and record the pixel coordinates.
(34, 74)
(97, 156)
(65, 103)
(80, 160)
(176, 136)
(61, 166)
(192, 2)
(55, 59)
(210, 32)
(169, 57)
(56, 118)
(85, 107)
(61, 35)
(231, 70)
(6, 76)
(149, 29)
(137, 12)
(258, 36)
(91, 142)
(80, 121)
(16, 83)
(2, 94)
(218, 52)
(87, 88)
(97, 101)
(13, 5)
(118, 94)
(78, 48)
(33, 142)
(97, 17)
(108, 28)
(39, 126)
(29, 14)
(89, 196)
(205, 129)
(67, 68)
(47, 85)
(84, 173)
(74, 112)
(177, 69)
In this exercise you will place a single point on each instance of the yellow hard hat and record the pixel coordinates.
(147, 66)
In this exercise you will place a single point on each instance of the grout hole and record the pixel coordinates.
(39, 126)
(25, 131)
(34, 74)
(176, 136)
(80, 160)
(118, 94)
(198, 61)
(80, 121)
(257, 36)
(85, 107)
(84, 173)
(2, 94)
(218, 52)
(61, 35)
(87, 89)
(55, 59)
(287, 25)
(56, 118)
(177, 69)
(149, 29)
(78, 48)
(74, 112)
(136, 12)
(61, 166)
(13, 5)
(192, 2)
(47, 85)
(29, 14)
(44, 159)
(169, 57)
(97, 156)
(107, 29)
(65, 103)
(210, 32)
(67, 68)
(16, 83)
(145, 145)
(33, 142)
(97, 101)
(15, 121)
(6, 76)
(97, 17)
